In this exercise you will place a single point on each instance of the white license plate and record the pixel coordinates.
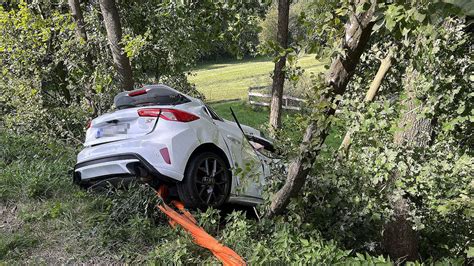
(112, 130)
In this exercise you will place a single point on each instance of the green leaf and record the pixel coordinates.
(305, 242)
(470, 252)
(418, 16)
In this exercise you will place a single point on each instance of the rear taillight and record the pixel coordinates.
(138, 92)
(168, 114)
(88, 124)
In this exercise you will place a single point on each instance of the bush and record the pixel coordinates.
(284, 241)
(348, 196)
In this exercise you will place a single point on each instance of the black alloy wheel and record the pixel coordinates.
(207, 182)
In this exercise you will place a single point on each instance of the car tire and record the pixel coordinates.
(206, 183)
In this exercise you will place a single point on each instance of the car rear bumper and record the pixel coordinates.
(179, 144)
(121, 165)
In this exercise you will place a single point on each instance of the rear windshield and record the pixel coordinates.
(149, 95)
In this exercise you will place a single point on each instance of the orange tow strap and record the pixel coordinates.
(226, 255)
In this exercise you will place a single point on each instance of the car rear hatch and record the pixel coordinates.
(126, 122)
(119, 125)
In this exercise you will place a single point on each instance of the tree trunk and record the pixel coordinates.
(278, 73)
(356, 36)
(374, 87)
(114, 35)
(399, 239)
(81, 34)
(416, 131)
(76, 12)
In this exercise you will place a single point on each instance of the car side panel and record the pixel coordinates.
(202, 132)
(250, 177)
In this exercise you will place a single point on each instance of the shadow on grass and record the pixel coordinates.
(220, 63)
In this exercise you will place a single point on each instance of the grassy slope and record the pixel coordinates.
(47, 220)
(231, 80)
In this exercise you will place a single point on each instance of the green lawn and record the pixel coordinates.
(248, 115)
(231, 79)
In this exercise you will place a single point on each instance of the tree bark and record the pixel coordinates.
(374, 87)
(81, 34)
(399, 239)
(278, 73)
(76, 12)
(114, 35)
(416, 131)
(356, 36)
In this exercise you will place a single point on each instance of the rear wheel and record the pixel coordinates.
(207, 182)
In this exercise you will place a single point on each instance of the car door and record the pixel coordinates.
(247, 168)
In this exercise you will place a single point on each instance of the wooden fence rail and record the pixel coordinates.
(289, 102)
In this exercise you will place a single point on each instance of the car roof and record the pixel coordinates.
(157, 94)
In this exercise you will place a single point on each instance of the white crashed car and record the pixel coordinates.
(162, 136)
